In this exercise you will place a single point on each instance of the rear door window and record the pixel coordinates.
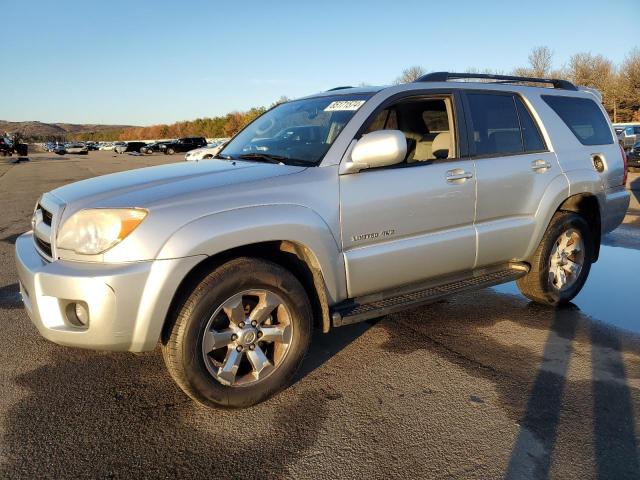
(495, 126)
(583, 117)
(530, 133)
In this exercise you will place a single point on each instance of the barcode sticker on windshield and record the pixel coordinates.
(344, 105)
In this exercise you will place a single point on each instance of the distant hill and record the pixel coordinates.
(34, 129)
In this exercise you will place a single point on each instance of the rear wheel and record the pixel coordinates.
(241, 334)
(170, 151)
(562, 261)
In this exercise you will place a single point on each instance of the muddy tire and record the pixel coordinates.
(240, 335)
(561, 263)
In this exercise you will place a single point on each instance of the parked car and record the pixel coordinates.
(129, 147)
(108, 146)
(408, 194)
(91, 146)
(153, 147)
(183, 145)
(634, 156)
(205, 153)
(628, 135)
(73, 148)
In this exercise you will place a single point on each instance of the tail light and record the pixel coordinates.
(624, 165)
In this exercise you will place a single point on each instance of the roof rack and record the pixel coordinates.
(339, 88)
(446, 76)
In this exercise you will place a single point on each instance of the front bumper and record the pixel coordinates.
(127, 303)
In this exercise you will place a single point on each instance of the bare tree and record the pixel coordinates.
(409, 75)
(540, 64)
(541, 61)
(597, 72)
(629, 82)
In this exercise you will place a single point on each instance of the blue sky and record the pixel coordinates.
(145, 62)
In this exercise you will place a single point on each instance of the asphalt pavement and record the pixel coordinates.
(483, 385)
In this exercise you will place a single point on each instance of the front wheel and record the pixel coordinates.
(562, 261)
(241, 334)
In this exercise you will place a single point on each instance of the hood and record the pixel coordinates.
(150, 186)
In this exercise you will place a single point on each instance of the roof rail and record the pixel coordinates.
(446, 76)
(339, 88)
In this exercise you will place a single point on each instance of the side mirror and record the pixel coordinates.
(377, 149)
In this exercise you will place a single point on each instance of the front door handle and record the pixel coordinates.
(458, 175)
(540, 166)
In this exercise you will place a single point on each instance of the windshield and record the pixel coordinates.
(298, 132)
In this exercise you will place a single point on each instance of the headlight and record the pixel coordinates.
(94, 231)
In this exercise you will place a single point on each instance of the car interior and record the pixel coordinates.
(427, 124)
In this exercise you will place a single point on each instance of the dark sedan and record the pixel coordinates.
(130, 147)
(154, 147)
(183, 145)
(633, 156)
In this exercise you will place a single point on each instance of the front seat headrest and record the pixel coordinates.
(441, 145)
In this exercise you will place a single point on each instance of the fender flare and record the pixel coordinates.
(222, 231)
(563, 187)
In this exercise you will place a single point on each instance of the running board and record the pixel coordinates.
(379, 304)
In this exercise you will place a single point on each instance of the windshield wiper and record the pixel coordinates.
(264, 157)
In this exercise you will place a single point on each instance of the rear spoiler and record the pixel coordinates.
(593, 91)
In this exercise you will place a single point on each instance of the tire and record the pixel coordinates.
(543, 283)
(200, 374)
(170, 151)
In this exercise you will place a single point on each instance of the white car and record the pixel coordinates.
(204, 153)
(77, 148)
(106, 146)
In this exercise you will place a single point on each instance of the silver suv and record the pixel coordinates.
(325, 211)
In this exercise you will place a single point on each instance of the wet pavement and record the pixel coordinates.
(613, 284)
(483, 385)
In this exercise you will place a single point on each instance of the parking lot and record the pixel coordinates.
(482, 385)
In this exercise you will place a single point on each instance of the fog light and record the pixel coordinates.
(82, 313)
(78, 314)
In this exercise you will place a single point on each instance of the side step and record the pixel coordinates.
(379, 304)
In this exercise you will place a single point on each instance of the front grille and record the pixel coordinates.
(45, 223)
(44, 246)
(47, 217)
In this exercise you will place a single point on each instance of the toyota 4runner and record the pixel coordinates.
(373, 200)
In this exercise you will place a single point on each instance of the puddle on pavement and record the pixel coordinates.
(612, 290)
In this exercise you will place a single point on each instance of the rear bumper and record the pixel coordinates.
(615, 208)
(127, 303)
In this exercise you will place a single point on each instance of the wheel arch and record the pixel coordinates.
(588, 206)
(577, 191)
(293, 236)
(294, 256)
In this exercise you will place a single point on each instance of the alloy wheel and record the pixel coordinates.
(247, 337)
(567, 259)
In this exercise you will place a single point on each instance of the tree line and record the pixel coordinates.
(619, 85)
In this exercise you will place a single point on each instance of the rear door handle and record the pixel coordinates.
(458, 175)
(540, 166)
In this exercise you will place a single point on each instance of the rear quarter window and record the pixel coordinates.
(583, 117)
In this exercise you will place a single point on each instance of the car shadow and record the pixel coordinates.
(93, 415)
(112, 415)
(534, 388)
(10, 297)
